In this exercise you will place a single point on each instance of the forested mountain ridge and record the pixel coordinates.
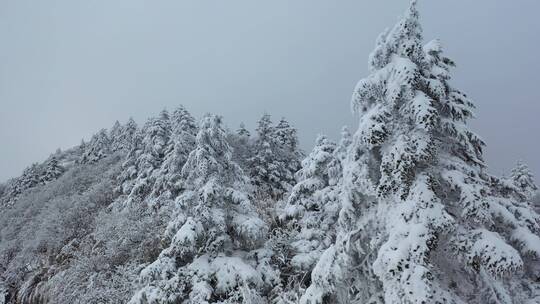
(184, 210)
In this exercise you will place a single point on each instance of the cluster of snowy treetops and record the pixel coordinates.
(186, 211)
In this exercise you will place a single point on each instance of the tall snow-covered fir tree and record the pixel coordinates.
(263, 164)
(157, 132)
(286, 135)
(150, 153)
(98, 147)
(214, 237)
(421, 219)
(289, 153)
(275, 157)
(312, 208)
(243, 132)
(181, 143)
(122, 135)
(344, 143)
(114, 135)
(126, 178)
(522, 177)
(242, 144)
(30, 178)
(52, 170)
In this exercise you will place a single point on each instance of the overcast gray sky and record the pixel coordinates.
(69, 68)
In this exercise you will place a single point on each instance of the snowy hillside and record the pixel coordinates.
(185, 210)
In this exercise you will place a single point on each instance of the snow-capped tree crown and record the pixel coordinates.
(98, 147)
(242, 131)
(415, 190)
(212, 157)
(523, 178)
(408, 109)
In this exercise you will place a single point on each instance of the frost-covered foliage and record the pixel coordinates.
(128, 175)
(98, 148)
(312, 208)
(215, 236)
(275, 157)
(344, 143)
(52, 170)
(104, 214)
(421, 220)
(121, 136)
(33, 176)
(243, 132)
(13, 188)
(157, 152)
(522, 177)
(536, 202)
(241, 142)
(403, 211)
(44, 220)
(63, 243)
(147, 153)
(114, 135)
(181, 143)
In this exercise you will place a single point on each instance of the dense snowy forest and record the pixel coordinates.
(186, 210)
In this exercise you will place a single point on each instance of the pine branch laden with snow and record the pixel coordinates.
(416, 192)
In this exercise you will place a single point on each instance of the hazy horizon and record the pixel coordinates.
(70, 68)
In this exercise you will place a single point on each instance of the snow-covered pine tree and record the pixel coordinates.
(98, 148)
(153, 148)
(340, 154)
(421, 220)
(242, 145)
(243, 132)
(130, 141)
(214, 237)
(286, 135)
(114, 136)
(129, 131)
(312, 208)
(289, 153)
(126, 178)
(275, 158)
(181, 143)
(52, 170)
(82, 147)
(122, 135)
(29, 179)
(344, 143)
(183, 122)
(263, 164)
(522, 177)
(157, 132)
